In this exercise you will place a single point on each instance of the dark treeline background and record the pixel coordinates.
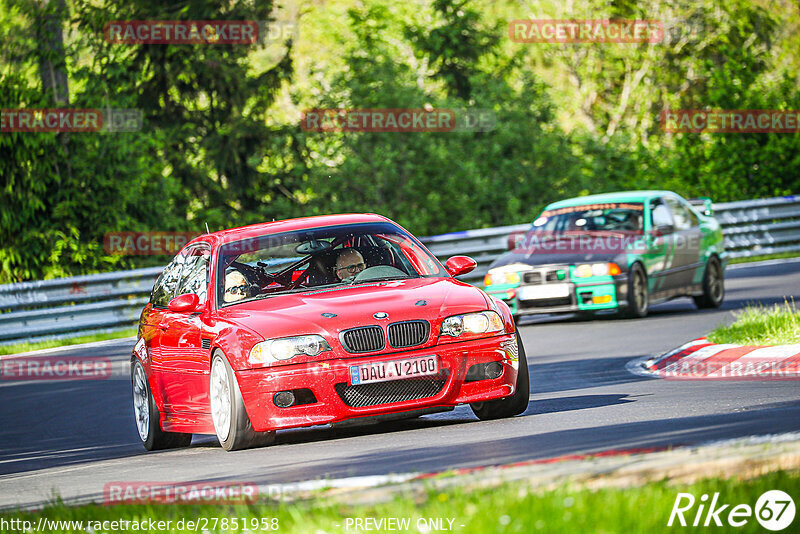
(221, 141)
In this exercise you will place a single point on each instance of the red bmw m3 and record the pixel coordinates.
(317, 321)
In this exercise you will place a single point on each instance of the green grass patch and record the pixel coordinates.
(25, 347)
(508, 508)
(761, 325)
(764, 257)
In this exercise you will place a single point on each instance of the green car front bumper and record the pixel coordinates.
(536, 295)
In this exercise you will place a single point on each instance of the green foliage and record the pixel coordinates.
(221, 141)
(17, 348)
(761, 325)
(611, 505)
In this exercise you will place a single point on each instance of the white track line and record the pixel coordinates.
(91, 344)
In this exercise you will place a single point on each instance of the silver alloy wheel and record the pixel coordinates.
(640, 291)
(220, 399)
(141, 402)
(715, 284)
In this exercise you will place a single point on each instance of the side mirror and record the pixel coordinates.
(185, 303)
(664, 229)
(458, 265)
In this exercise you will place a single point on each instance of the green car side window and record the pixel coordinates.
(680, 214)
(661, 216)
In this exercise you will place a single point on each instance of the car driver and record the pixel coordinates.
(236, 287)
(349, 263)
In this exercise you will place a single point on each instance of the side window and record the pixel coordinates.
(165, 286)
(679, 213)
(661, 215)
(194, 277)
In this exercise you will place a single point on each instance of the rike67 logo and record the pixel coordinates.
(774, 510)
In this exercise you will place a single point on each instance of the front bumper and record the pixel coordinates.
(606, 293)
(328, 381)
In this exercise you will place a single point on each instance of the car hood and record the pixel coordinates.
(536, 258)
(353, 306)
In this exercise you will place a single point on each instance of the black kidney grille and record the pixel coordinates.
(363, 395)
(364, 339)
(408, 333)
(532, 278)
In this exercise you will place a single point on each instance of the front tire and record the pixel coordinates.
(516, 403)
(147, 417)
(231, 423)
(638, 293)
(713, 286)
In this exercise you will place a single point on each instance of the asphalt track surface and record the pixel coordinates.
(71, 438)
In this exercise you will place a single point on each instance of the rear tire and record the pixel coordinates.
(638, 293)
(508, 406)
(147, 417)
(713, 286)
(231, 423)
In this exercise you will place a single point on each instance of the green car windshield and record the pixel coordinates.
(622, 217)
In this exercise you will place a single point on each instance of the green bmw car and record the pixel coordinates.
(615, 252)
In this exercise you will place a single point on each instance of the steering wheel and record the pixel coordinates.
(254, 275)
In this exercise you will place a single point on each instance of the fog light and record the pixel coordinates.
(493, 370)
(283, 399)
(601, 299)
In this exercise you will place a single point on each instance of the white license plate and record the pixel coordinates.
(545, 291)
(393, 370)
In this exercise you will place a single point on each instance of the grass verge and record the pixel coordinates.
(25, 347)
(764, 257)
(760, 325)
(507, 508)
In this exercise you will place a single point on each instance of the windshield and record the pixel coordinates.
(624, 218)
(319, 258)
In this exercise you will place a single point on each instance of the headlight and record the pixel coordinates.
(285, 348)
(596, 269)
(501, 278)
(472, 324)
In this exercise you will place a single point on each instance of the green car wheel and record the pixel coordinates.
(713, 286)
(638, 295)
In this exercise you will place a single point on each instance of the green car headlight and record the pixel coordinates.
(596, 269)
(501, 278)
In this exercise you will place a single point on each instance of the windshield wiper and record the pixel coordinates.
(383, 279)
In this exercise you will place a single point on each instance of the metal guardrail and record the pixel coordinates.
(756, 227)
(79, 304)
(73, 305)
